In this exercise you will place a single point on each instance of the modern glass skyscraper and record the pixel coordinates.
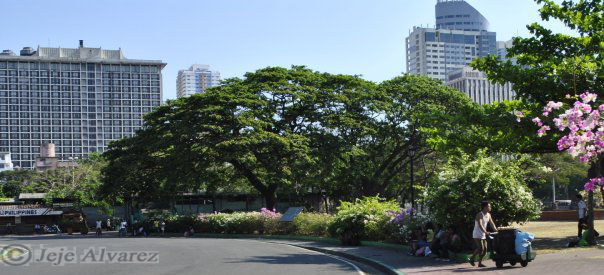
(79, 99)
(460, 36)
(196, 80)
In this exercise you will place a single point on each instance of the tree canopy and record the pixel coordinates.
(280, 129)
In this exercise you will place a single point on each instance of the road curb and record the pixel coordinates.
(382, 267)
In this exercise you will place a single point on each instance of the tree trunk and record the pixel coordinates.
(595, 171)
(271, 199)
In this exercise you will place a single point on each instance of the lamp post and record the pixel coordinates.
(554, 187)
(411, 154)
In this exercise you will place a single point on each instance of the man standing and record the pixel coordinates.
(99, 231)
(481, 222)
(123, 228)
(582, 214)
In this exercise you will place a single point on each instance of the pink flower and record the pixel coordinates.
(519, 116)
(588, 97)
(543, 131)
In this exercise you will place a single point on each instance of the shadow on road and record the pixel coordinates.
(295, 259)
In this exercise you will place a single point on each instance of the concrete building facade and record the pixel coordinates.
(476, 85)
(196, 80)
(6, 164)
(80, 99)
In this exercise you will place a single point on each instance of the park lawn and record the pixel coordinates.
(553, 237)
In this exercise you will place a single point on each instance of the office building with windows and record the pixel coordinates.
(196, 80)
(79, 99)
(461, 35)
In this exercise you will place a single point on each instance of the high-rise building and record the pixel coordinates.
(460, 36)
(78, 99)
(196, 80)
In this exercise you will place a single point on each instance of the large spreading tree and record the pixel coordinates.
(284, 129)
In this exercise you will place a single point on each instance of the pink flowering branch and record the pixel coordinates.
(583, 126)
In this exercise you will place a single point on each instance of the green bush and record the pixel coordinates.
(454, 197)
(363, 219)
(312, 224)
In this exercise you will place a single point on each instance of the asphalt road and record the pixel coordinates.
(170, 256)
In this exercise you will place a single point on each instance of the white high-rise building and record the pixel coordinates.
(79, 99)
(460, 36)
(196, 80)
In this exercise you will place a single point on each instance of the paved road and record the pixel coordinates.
(176, 256)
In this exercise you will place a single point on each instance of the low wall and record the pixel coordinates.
(567, 215)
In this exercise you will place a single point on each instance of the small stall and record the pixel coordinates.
(22, 218)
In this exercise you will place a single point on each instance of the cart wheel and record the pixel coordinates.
(523, 263)
(499, 263)
(513, 263)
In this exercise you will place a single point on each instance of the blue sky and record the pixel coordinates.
(365, 37)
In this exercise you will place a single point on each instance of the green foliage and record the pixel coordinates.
(312, 224)
(12, 183)
(79, 184)
(569, 174)
(363, 219)
(454, 196)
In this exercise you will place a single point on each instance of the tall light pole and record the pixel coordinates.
(554, 186)
(411, 154)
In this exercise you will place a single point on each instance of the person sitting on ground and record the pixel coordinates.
(450, 242)
(585, 235)
(141, 231)
(435, 246)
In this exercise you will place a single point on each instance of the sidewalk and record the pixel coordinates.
(584, 263)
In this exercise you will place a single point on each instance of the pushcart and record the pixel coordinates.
(502, 249)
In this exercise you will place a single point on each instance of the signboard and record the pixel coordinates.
(291, 213)
(25, 212)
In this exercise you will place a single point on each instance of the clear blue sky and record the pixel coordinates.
(364, 37)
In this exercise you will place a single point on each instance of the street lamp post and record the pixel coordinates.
(554, 186)
(411, 154)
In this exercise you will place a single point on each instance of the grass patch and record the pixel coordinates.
(553, 236)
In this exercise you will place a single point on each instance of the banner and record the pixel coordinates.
(25, 212)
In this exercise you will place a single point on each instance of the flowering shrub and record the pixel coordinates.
(454, 196)
(584, 127)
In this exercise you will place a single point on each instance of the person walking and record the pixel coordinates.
(479, 234)
(163, 228)
(99, 230)
(156, 226)
(582, 214)
(123, 227)
(108, 224)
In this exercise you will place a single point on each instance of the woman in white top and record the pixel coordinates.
(481, 222)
